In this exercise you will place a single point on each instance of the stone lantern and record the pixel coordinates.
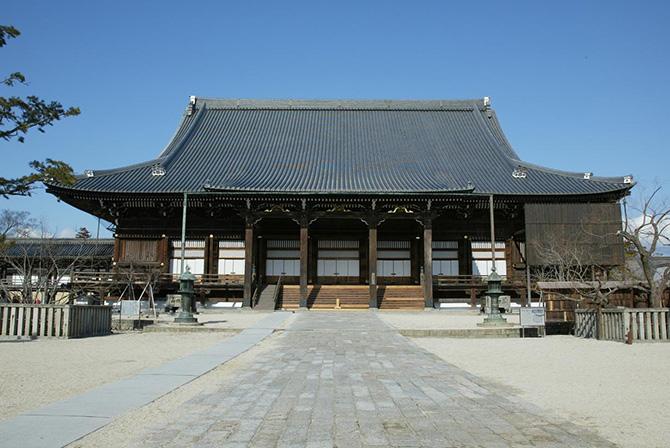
(494, 291)
(186, 281)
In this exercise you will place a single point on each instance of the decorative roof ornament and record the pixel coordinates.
(487, 107)
(520, 172)
(190, 110)
(628, 179)
(157, 170)
(89, 173)
(588, 175)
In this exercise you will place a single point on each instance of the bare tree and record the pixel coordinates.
(644, 236)
(16, 224)
(39, 269)
(567, 260)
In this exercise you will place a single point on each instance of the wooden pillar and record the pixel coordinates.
(248, 264)
(117, 249)
(428, 262)
(312, 264)
(415, 261)
(262, 259)
(209, 256)
(372, 263)
(164, 253)
(465, 268)
(304, 257)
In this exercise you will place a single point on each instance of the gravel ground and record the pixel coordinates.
(437, 320)
(225, 319)
(621, 391)
(40, 372)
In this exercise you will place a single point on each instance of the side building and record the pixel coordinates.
(390, 204)
(45, 270)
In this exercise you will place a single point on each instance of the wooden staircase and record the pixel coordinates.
(400, 297)
(325, 297)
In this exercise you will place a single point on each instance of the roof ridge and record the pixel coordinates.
(342, 104)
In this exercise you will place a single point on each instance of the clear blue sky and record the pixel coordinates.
(578, 85)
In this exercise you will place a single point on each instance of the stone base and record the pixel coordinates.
(130, 324)
(186, 323)
(172, 328)
(495, 322)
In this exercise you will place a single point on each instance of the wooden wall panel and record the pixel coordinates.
(139, 250)
(590, 227)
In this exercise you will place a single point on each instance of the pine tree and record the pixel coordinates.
(83, 233)
(17, 116)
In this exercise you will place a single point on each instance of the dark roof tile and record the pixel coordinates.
(296, 146)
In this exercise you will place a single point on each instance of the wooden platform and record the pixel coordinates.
(400, 297)
(328, 297)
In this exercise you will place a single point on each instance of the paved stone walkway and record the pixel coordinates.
(349, 380)
(62, 422)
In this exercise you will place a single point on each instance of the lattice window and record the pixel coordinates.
(283, 258)
(338, 258)
(338, 244)
(393, 259)
(194, 256)
(481, 258)
(445, 258)
(231, 257)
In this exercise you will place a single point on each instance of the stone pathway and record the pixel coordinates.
(348, 380)
(62, 422)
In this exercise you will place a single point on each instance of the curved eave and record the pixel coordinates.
(62, 190)
(186, 125)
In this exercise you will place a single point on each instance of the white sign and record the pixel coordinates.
(531, 317)
(130, 308)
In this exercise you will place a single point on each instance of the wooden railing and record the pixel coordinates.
(458, 280)
(142, 277)
(54, 321)
(466, 280)
(206, 278)
(277, 293)
(624, 324)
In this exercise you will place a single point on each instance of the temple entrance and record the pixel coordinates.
(337, 263)
(399, 252)
(338, 252)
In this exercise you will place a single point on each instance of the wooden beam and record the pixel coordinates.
(248, 264)
(428, 262)
(304, 257)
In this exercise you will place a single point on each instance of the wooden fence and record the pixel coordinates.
(55, 321)
(624, 324)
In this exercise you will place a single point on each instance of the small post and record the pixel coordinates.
(493, 232)
(528, 294)
(183, 231)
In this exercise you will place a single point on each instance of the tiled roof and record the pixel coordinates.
(345, 147)
(58, 248)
